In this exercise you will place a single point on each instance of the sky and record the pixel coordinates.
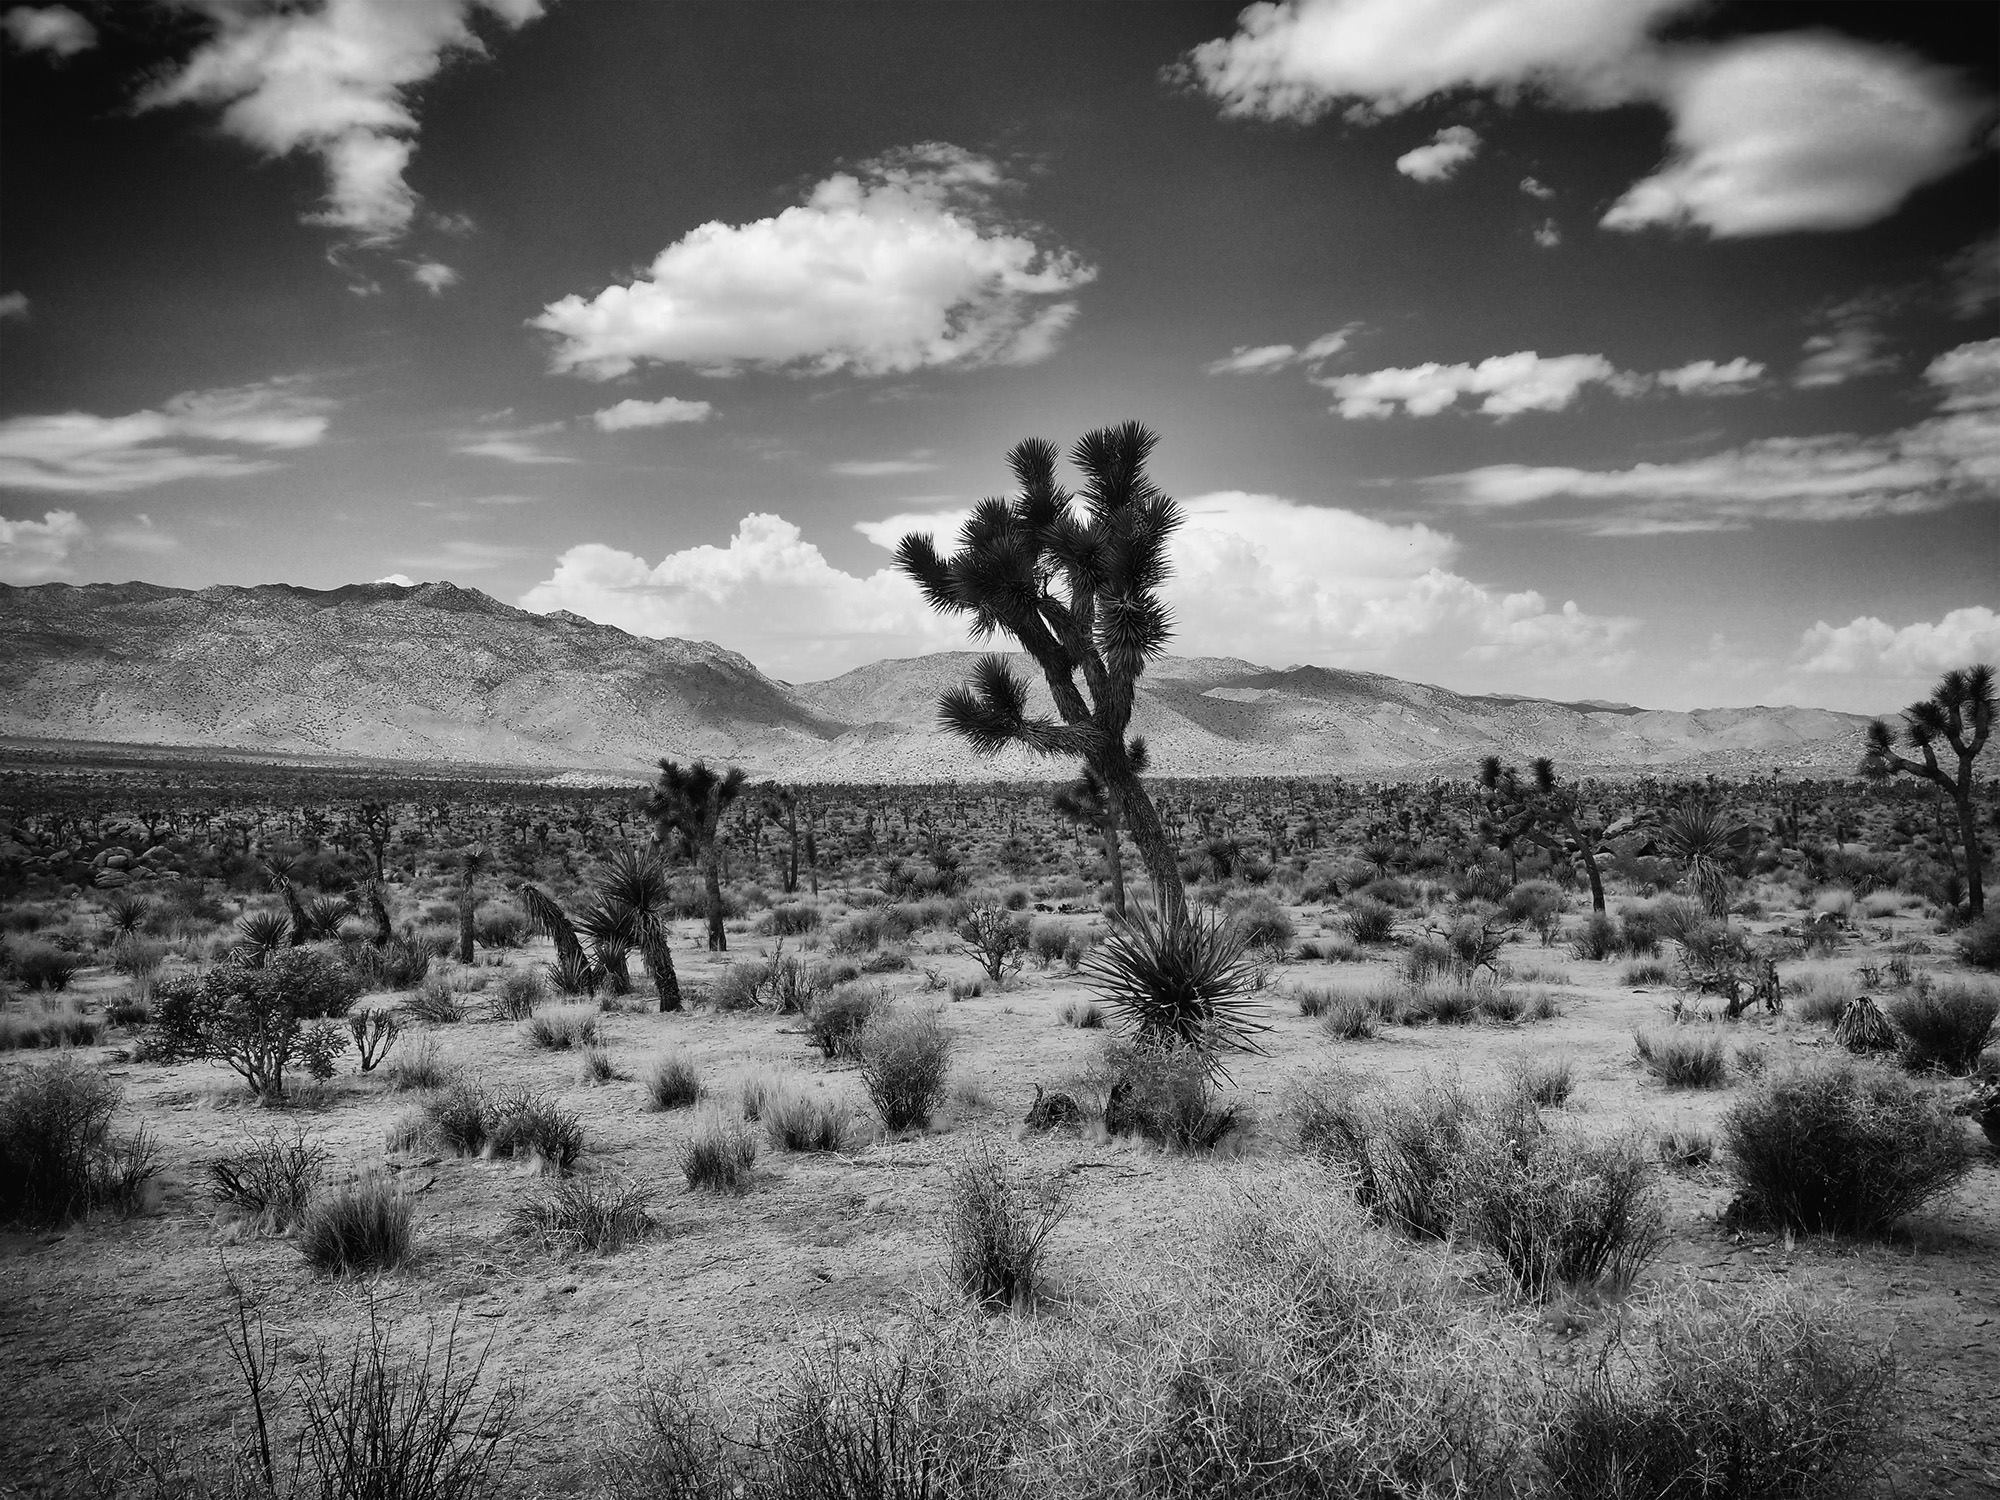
(1643, 350)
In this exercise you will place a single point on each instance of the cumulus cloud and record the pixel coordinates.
(401, 580)
(195, 435)
(1797, 131)
(14, 305)
(665, 412)
(1950, 458)
(39, 551)
(903, 263)
(1802, 131)
(1866, 646)
(1510, 384)
(433, 276)
(1704, 377)
(1450, 149)
(1548, 234)
(55, 29)
(1256, 576)
(334, 81)
(1262, 359)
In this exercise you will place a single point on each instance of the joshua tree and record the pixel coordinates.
(780, 805)
(1085, 801)
(1546, 813)
(1959, 712)
(1708, 840)
(629, 909)
(473, 860)
(1081, 596)
(689, 804)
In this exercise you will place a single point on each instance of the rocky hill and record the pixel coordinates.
(437, 673)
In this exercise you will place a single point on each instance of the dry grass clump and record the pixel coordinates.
(271, 1182)
(720, 1153)
(1647, 973)
(1685, 1148)
(800, 1117)
(1546, 1082)
(672, 1080)
(904, 1057)
(1820, 998)
(420, 1065)
(468, 1118)
(997, 1222)
(585, 1215)
(435, 1002)
(834, 1020)
(46, 1025)
(1841, 1148)
(1085, 1015)
(1682, 1060)
(562, 1028)
(1943, 1029)
(58, 1156)
(361, 1227)
(518, 993)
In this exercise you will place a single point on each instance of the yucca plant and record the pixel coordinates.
(1959, 712)
(1081, 594)
(630, 908)
(127, 913)
(261, 934)
(1709, 841)
(1179, 979)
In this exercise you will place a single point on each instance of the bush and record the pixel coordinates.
(582, 1215)
(362, 1227)
(500, 927)
(671, 1081)
(594, 1066)
(997, 1223)
(1263, 925)
(1398, 1152)
(1945, 1028)
(254, 1019)
(1085, 1015)
(790, 919)
(399, 964)
(435, 1003)
(834, 1020)
(375, 1031)
(1546, 1082)
(1682, 1061)
(1348, 1018)
(1559, 1210)
(459, 1115)
(995, 937)
(418, 1066)
(518, 993)
(46, 1025)
(1841, 1148)
(1821, 998)
(44, 966)
(58, 1157)
(562, 1027)
(1650, 972)
(1164, 1093)
(1684, 1148)
(1598, 938)
(1369, 920)
(1979, 943)
(903, 1056)
(1763, 1399)
(272, 1181)
(526, 1124)
(798, 1117)
(720, 1153)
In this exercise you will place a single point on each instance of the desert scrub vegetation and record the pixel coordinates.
(42, 1025)
(720, 1154)
(1179, 980)
(996, 1223)
(270, 1181)
(584, 1215)
(1943, 1028)
(797, 1116)
(834, 1020)
(562, 1028)
(468, 1118)
(1683, 1060)
(672, 1080)
(1840, 1148)
(59, 1158)
(359, 1227)
(904, 1056)
(257, 1020)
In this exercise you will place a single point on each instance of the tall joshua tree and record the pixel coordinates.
(1081, 595)
(689, 804)
(1959, 712)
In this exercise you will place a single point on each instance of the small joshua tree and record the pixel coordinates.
(1548, 813)
(1081, 594)
(689, 804)
(630, 908)
(1958, 712)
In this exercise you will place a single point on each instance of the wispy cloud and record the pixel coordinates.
(665, 412)
(1949, 459)
(516, 445)
(14, 305)
(460, 556)
(918, 462)
(1450, 149)
(900, 264)
(1263, 359)
(195, 435)
(334, 81)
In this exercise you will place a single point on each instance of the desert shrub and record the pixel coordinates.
(1085, 1015)
(1641, 930)
(270, 1181)
(584, 1215)
(45, 1025)
(1397, 1151)
(789, 919)
(1714, 945)
(965, 989)
(44, 966)
(1546, 1082)
(594, 1066)
(1424, 960)
(1979, 943)
(1539, 904)
(133, 1011)
(792, 983)
(1598, 938)
(857, 934)
(996, 1224)
(1178, 982)
(1164, 1092)
(1348, 1018)
(560, 1028)
(523, 1123)
(459, 1114)
(672, 1080)
(799, 1117)
(254, 1020)
(740, 986)
(360, 1227)
(434, 1002)
(518, 993)
(58, 1156)
(1820, 998)
(834, 1020)
(720, 1153)
(375, 1031)
(1943, 1028)
(1766, 1396)
(760, 1085)
(904, 1056)
(1841, 1148)
(1682, 1060)
(1684, 1148)
(1559, 1210)
(399, 964)
(1647, 972)
(1369, 920)
(418, 1066)
(1264, 926)
(500, 927)
(995, 937)
(1047, 938)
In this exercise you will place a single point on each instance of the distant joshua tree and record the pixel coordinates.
(1959, 712)
(689, 804)
(1548, 813)
(1085, 801)
(1081, 594)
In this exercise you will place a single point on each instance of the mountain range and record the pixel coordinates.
(434, 673)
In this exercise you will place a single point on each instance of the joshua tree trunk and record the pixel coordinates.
(718, 940)
(1114, 860)
(379, 909)
(656, 946)
(1136, 811)
(1968, 834)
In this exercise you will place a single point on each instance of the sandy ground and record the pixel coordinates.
(127, 1315)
